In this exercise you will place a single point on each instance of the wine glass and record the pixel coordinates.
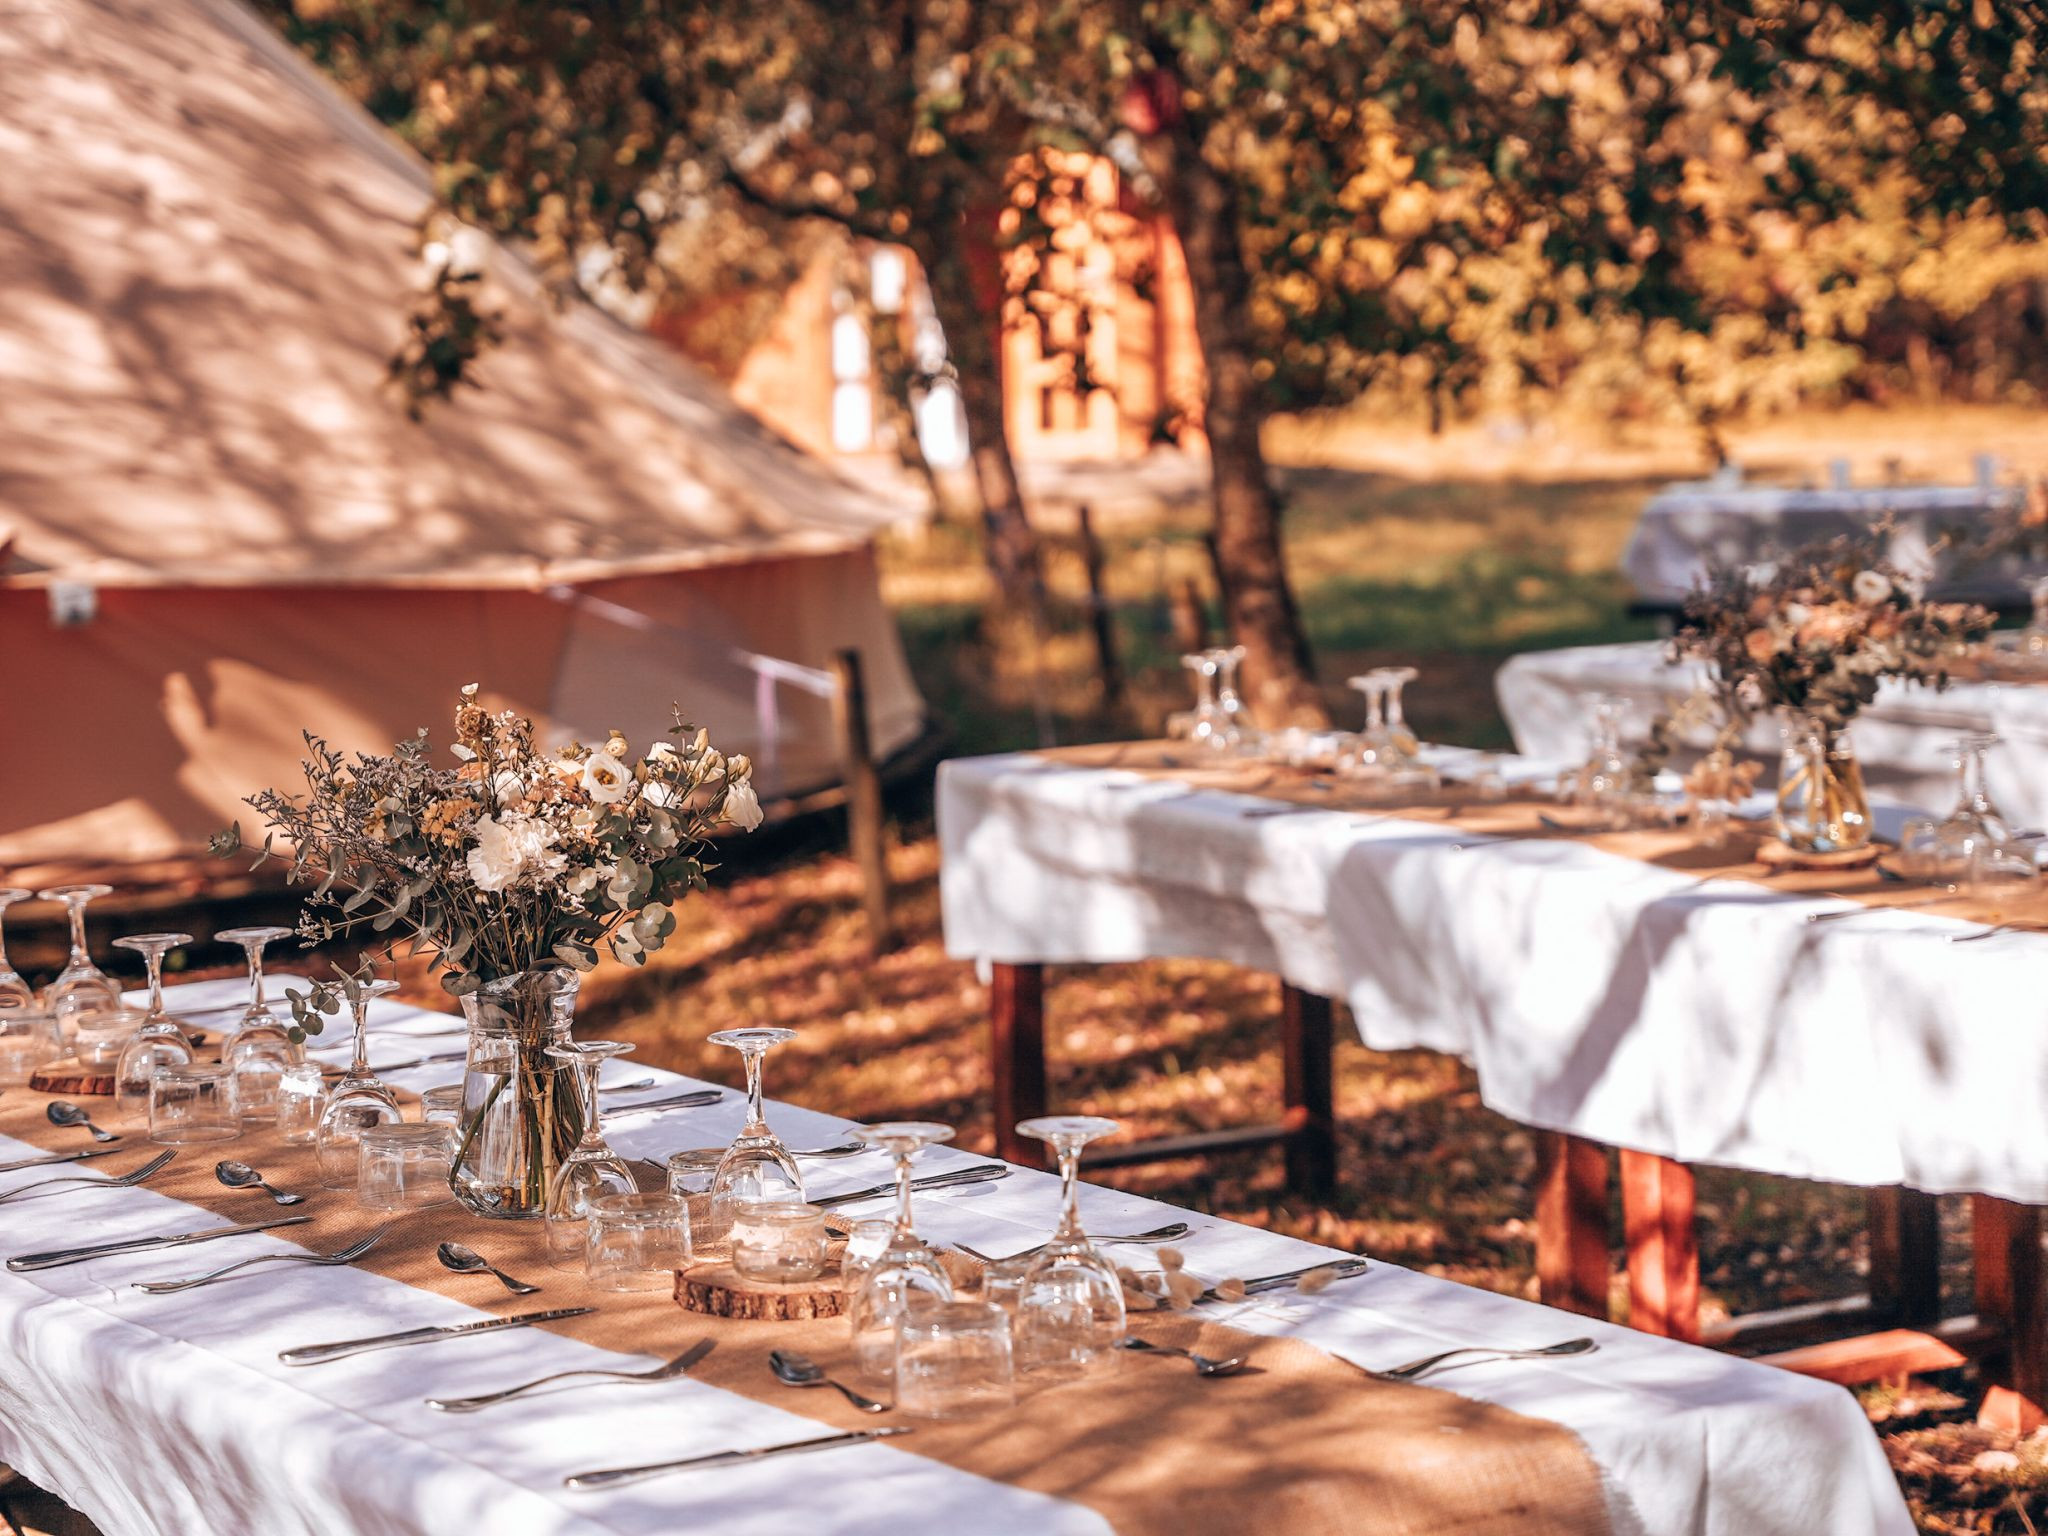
(906, 1268)
(1070, 1308)
(360, 1100)
(1210, 727)
(1975, 822)
(158, 1042)
(757, 1166)
(81, 984)
(593, 1170)
(1230, 705)
(14, 992)
(259, 1048)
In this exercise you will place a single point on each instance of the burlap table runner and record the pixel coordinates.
(1300, 1442)
(1534, 816)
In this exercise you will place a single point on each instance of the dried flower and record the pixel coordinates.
(1230, 1290)
(1315, 1280)
(1172, 1259)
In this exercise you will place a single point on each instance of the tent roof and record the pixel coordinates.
(205, 257)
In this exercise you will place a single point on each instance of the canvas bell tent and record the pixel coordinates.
(216, 530)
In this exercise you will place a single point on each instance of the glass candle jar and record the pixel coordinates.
(778, 1240)
(636, 1242)
(402, 1167)
(953, 1359)
(301, 1091)
(192, 1102)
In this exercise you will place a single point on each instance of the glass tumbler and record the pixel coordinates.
(29, 1037)
(779, 1240)
(402, 1167)
(97, 1034)
(301, 1091)
(866, 1241)
(691, 1175)
(190, 1102)
(636, 1242)
(952, 1359)
(442, 1106)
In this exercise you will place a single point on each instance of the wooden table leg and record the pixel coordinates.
(2007, 1243)
(1571, 1223)
(1017, 1028)
(1308, 1067)
(1905, 1256)
(1663, 1252)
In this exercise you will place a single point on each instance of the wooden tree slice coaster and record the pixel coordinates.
(1780, 855)
(719, 1290)
(72, 1077)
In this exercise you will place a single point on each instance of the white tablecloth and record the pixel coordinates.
(1901, 738)
(170, 1416)
(1594, 994)
(1686, 527)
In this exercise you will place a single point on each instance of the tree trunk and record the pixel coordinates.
(1258, 604)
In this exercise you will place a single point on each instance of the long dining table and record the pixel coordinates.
(173, 1413)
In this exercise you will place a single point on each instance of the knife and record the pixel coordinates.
(1342, 1269)
(977, 1175)
(616, 1475)
(58, 1257)
(58, 1157)
(314, 1354)
(695, 1099)
(398, 1066)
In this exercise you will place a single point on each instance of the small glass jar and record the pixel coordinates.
(402, 1167)
(636, 1242)
(192, 1102)
(29, 1038)
(301, 1091)
(442, 1106)
(97, 1034)
(779, 1240)
(953, 1359)
(691, 1175)
(1002, 1283)
(865, 1242)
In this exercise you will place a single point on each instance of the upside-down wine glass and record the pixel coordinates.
(81, 984)
(1210, 726)
(593, 1170)
(158, 1042)
(757, 1166)
(259, 1049)
(14, 992)
(1230, 705)
(906, 1268)
(360, 1100)
(1070, 1307)
(1975, 822)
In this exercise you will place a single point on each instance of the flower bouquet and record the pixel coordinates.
(1811, 637)
(512, 869)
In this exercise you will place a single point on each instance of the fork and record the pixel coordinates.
(1166, 1234)
(120, 1181)
(348, 1255)
(679, 1366)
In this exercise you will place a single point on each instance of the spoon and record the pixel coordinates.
(1205, 1365)
(1415, 1370)
(467, 1261)
(241, 1176)
(64, 1112)
(795, 1370)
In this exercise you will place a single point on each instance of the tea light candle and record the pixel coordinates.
(779, 1240)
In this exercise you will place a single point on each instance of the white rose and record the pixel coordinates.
(1871, 587)
(659, 792)
(509, 788)
(661, 750)
(742, 805)
(605, 779)
(494, 862)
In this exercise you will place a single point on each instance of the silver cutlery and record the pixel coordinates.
(56, 1258)
(980, 1174)
(64, 1112)
(241, 1176)
(348, 1255)
(1171, 1232)
(127, 1180)
(1995, 930)
(59, 1157)
(399, 1066)
(467, 1261)
(1865, 911)
(634, 1086)
(617, 1475)
(795, 1370)
(1415, 1370)
(679, 1366)
(1342, 1269)
(1205, 1365)
(315, 1354)
(694, 1100)
(828, 1154)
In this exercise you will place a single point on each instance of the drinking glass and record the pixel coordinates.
(1070, 1308)
(692, 1174)
(81, 984)
(29, 1037)
(591, 1171)
(757, 1166)
(1974, 821)
(2002, 871)
(259, 1048)
(1210, 727)
(402, 1167)
(360, 1100)
(953, 1359)
(866, 1241)
(1919, 848)
(158, 1042)
(190, 1102)
(1364, 749)
(98, 1034)
(14, 992)
(637, 1242)
(907, 1267)
(1230, 706)
(301, 1094)
(442, 1106)
(779, 1240)
(1399, 736)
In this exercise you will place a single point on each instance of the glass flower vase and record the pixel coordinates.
(1822, 806)
(521, 1113)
